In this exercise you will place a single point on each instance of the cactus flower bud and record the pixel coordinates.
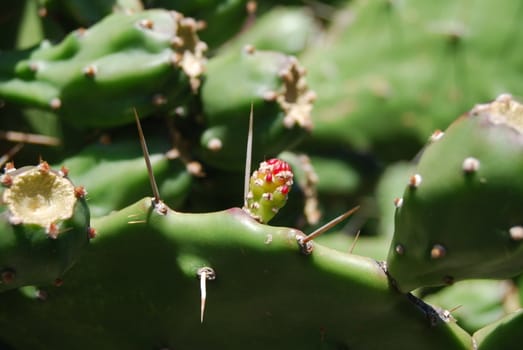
(268, 190)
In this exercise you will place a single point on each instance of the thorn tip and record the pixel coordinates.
(154, 186)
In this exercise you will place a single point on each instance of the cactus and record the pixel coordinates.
(460, 216)
(477, 303)
(86, 13)
(85, 67)
(503, 334)
(297, 30)
(118, 166)
(427, 63)
(229, 16)
(44, 225)
(264, 290)
(190, 268)
(274, 84)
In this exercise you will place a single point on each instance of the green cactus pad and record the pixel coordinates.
(223, 19)
(478, 303)
(461, 215)
(89, 12)
(503, 334)
(297, 29)
(390, 72)
(92, 78)
(44, 226)
(266, 293)
(274, 84)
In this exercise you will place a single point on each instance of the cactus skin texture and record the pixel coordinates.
(44, 226)
(274, 84)
(461, 214)
(90, 78)
(257, 300)
(269, 187)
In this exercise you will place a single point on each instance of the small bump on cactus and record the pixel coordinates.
(268, 189)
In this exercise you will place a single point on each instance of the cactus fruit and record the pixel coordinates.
(274, 84)
(44, 225)
(461, 214)
(256, 301)
(90, 78)
(268, 189)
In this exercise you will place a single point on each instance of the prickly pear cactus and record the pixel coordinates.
(297, 30)
(461, 214)
(89, 12)
(263, 289)
(44, 225)
(274, 84)
(190, 269)
(118, 166)
(390, 72)
(90, 78)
